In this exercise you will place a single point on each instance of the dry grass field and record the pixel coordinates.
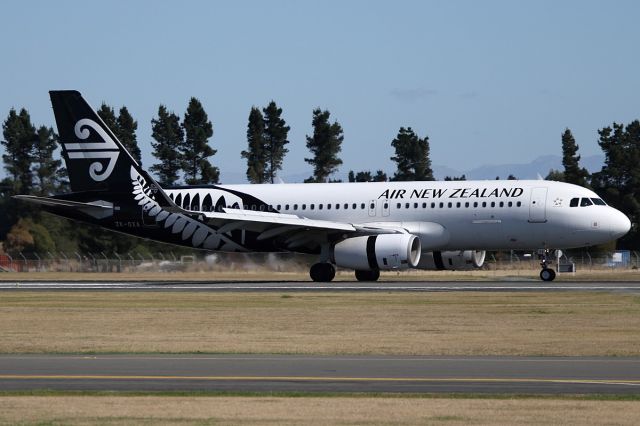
(343, 275)
(465, 323)
(150, 410)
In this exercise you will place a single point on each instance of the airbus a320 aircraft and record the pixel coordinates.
(367, 227)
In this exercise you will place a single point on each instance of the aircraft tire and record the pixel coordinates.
(547, 274)
(368, 275)
(322, 272)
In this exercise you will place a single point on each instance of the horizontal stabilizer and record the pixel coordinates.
(98, 209)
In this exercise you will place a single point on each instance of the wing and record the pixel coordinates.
(291, 232)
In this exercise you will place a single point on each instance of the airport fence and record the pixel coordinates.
(158, 262)
(277, 262)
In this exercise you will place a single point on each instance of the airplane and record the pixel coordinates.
(367, 227)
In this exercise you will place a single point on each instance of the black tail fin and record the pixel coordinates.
(95, 158)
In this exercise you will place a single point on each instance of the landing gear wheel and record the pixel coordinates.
(368, 275)
(547, 274)
(322, 272)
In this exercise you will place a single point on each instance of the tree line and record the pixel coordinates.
(181, 147)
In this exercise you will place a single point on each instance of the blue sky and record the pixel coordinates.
(489, 82)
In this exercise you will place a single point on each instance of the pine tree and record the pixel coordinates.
(619, 180)
(19, 139)
(380, 176)
(108, 115)
(275, 139)
(412, 156)
(455, 178)
(169, 136)
(573, 173)
(46, 167)
(255, 155)
(195, 151)
(555, 175)
(325, 144)
(125, 131)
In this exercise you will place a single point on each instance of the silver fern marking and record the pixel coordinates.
(201, 235)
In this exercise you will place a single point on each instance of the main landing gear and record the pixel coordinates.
(322, 272)
(368, 275)
(325, 272)
(547, 274)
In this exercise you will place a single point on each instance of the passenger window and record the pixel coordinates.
(466, 204)
(598, 202)
(584, 202)
(337, 206)
(286, 207)
(312, 206)
(574, 202)
(441, 205)
(406, 205)
(386, 205)
(484, 204)
(501, 203)
(519, 203)
(262, 208)
(449, 205)
(493, 204)
(457, 205)
(346, 206)
(328, 206)
(319, 206)
(398, 205)
(355, 205)
(304, 207)
(475, 204)
(279, 207)
(433, 205)
(510, 204)
(295, 207)
(415, 205)
(424, 205)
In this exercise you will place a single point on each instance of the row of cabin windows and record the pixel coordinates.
(584, 202)
(193, 205)
(336, 206)
(372, 206)
(459, 204)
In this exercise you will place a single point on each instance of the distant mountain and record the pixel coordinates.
(541, 165)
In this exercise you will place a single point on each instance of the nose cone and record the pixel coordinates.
(620, 224)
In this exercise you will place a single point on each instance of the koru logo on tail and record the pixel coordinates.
(106, 150)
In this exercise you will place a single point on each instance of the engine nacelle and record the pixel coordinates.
(452, 260)
(384, 252)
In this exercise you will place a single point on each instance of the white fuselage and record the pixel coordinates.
(447, 215)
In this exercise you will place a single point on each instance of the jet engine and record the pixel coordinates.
(378, 252)
(463, 260)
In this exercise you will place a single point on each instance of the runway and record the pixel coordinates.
(285, 373)
(292, 286)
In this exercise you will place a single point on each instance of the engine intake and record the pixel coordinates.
(378, 252)
(452, 260)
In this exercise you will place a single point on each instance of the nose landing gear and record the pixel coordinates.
(547, 273)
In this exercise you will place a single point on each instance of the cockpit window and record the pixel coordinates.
(584, 202)
(574, 202)
(598, 202)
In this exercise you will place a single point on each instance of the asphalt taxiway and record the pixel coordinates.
(247, 373)
(292, 286)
